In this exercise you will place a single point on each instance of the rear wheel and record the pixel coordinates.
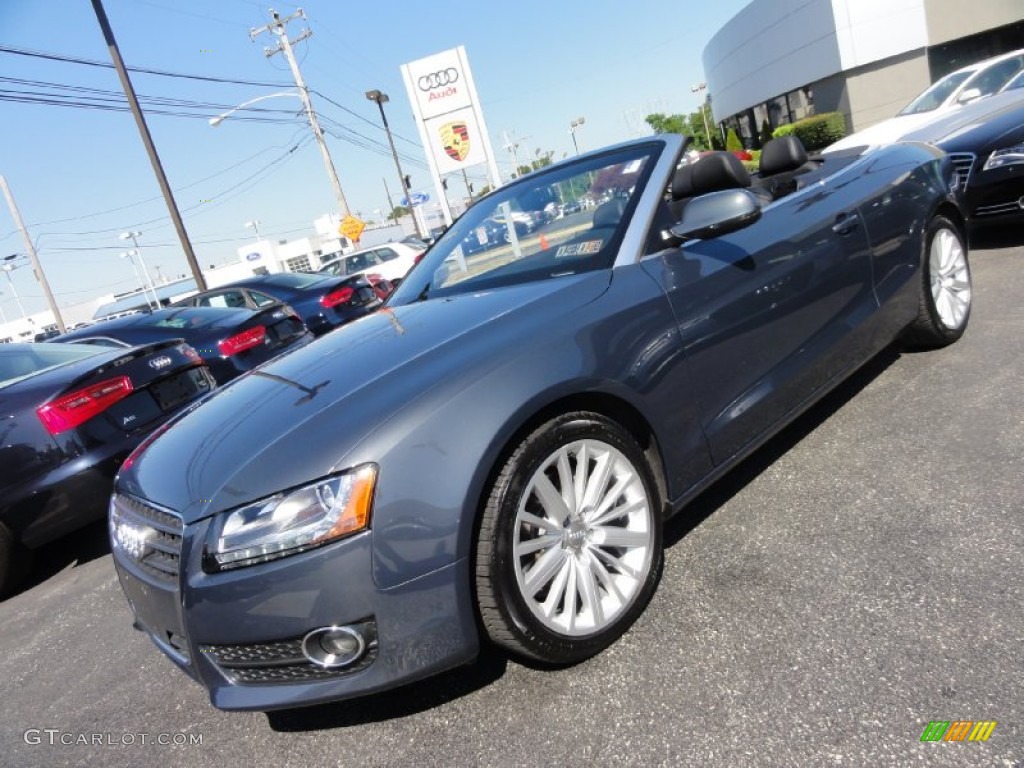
(569, 548)
(945, 294)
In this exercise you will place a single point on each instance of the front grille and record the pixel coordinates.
(962, 164)
(282, 661)
(160, 555)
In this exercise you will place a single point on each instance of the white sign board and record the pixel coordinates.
(448, 116)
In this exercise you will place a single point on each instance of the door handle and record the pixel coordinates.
(845, 223)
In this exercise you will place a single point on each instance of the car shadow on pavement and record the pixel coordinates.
(82, 546)
(736, 479)
(410, 699)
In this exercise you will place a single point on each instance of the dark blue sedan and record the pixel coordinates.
(230, 340)
(324, 302)
(70, 414)
(491, 457)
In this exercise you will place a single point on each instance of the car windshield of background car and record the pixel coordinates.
(936, 95)
(509, 238)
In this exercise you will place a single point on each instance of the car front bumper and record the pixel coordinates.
(239, 632)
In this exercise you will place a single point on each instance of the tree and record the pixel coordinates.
(689, 125)
(666, 123)
(732, 141)
(766, 132)
(399, 212)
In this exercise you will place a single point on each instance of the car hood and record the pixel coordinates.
(977, 125)
(294, 419)
(887, 131)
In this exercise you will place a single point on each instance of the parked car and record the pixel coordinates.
(392, 261)
(950, 93)
(322, 302)
(986, 142)
(71, 414)
(230, 341)
(494, 455)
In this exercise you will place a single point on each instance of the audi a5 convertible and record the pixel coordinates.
(492, 456)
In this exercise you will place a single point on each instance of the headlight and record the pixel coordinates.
(293, 522)
(1008, 156)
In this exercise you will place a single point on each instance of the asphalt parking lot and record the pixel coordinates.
(855, 579)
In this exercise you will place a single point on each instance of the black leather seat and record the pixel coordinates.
(609, 214)
(782, 161)
(714, 172)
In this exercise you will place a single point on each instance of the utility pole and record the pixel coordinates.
(31, 248)
(511, 147)
(285, 47)
(154, 158)
(390, 201)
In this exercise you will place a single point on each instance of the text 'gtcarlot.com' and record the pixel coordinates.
(55, 736)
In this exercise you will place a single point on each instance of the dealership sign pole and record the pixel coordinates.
(449, 118)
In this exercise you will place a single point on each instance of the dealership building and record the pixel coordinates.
(782, 60)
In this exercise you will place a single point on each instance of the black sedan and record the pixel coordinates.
(986, 141)
(69, 415)
(230, 341)
(492, 457)
(323, 302)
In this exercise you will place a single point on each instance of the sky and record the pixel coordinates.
(80, 175)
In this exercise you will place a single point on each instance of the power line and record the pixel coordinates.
(142, 70)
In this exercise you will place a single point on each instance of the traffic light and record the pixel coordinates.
(408, 181)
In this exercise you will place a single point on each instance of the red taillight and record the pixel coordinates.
(337, 296)
(74, 408)
(190, 353)
(242, 341)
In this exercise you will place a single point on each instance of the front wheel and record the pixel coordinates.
(945, 293)
(569, 548)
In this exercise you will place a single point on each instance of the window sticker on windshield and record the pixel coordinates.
(579, 249)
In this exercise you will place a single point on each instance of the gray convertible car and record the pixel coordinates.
(491, 457)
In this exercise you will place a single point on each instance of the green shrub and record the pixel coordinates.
(783, 130)
(821, 130)
(766, 132)
(732, 141)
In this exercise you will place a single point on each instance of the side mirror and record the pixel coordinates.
(968, 95)
(717, 213)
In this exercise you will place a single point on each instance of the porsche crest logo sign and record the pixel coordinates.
(455, 140)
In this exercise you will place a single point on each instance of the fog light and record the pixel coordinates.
(332, 647)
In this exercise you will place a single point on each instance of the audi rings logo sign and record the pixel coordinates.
(438, 79)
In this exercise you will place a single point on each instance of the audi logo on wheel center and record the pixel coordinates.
(438, 79)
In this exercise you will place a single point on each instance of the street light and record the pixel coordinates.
(314, 124)
(254, 224)
(572, 130)
(134, 237)
(698, 88)
(215, 121)
(8, 268)
(380, 99)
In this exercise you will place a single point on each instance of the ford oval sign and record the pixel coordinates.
(254, 256)
(418, 198)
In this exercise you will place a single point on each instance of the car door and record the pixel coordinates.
(770, 313)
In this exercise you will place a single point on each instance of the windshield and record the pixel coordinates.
(936, 95)
(551, 223)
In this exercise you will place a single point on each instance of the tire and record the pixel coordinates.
(14, 561)
(945, 288)
(560, 516)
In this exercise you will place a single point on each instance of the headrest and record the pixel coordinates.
(682, 182)
(608, 214)
(718, 171)
(785, 153)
